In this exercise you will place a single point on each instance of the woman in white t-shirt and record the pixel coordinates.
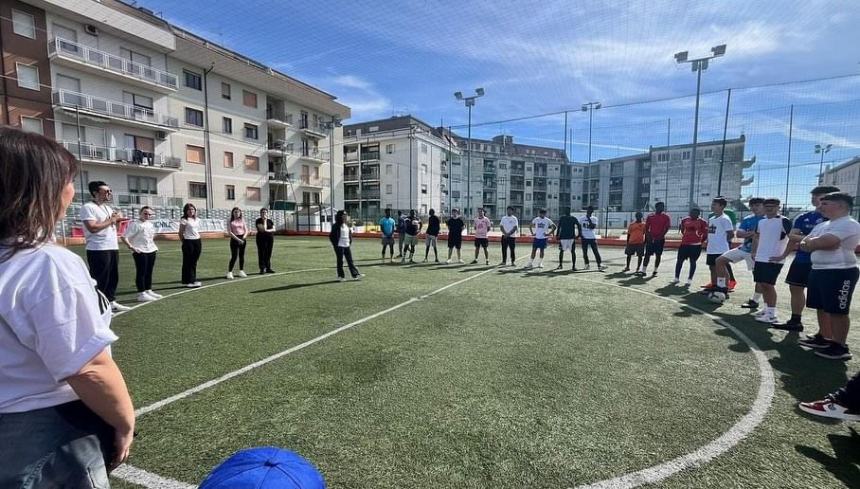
(65, 414)
(341, 239)
(189, 234)
(140, 239)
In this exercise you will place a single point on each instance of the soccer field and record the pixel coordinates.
(471, 376)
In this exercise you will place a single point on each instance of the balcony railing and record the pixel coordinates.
(109, 154)
(112, 108)
(370, 156)
(351, 156)
(517, 186)
(316, 154)
(518, 171)
(317, 130)
(370, 175)
(279, 116)
(148, 199)
(350, 177)
(313, 181)
(111, 62)
(540, 188)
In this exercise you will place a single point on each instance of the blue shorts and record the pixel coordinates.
(539, 244)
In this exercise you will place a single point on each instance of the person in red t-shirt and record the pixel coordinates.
(694, 233)
(656, 227)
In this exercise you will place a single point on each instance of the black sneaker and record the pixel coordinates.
(789, 326)
(834, 352)
(654, 273)
(473, 262)
(816, 342)
(750, 304)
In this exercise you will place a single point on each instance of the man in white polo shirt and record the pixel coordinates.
(588, 223)
(834, 275)
(768, 251)
(100, 221)
(510, 226)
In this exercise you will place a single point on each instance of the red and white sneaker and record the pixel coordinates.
(828, 408)
(732, 285)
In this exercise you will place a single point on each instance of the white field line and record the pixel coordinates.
(715, 448)
(147, 479)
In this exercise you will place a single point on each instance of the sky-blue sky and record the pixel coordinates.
(532, 57)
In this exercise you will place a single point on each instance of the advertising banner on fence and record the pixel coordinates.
(172, 225)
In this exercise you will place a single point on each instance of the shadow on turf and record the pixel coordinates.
(295, 286)
(845, 462)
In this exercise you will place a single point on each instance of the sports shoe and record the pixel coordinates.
(709, 285)
(540, 264)
(153, 294)
(789, 326)
(675, 281)
(270, 271)
(750, 304)
(601, 267)
(436, 260)
(358, 277)
(144, 297)
(732, 284)
(558, 267)
(341, 279)
(529, 265)
(190, 286)
(473, 262)
(627, 270)
(486, 262)
(586, 267)
(242, 274)
(229, 275)
(834, 351)
(688, 282)
(200, 284)
(815, 341)
(767, 318)
(828, 408)
(460, 262)
(760, 312)
(653, 274)
(448, 261)
(117, 307)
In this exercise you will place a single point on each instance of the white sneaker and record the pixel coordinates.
(448, 261)
(144, 297)
(198, 284)
(688, 282)
(767, 318)
(242, 274)
(587, 266)
(117, 307)
(358, 277)
(341, 279)
(153, 294)
(675, 281)
(229, 275)
(529, 265)
(460, 261)
(601, 267)
(759, 313)
(540, 264)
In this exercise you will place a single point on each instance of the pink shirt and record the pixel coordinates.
(482, 226)
(238, 227)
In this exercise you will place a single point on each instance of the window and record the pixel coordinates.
(69, 83)
(389, 169)
(225, 91)
(306, 198)
(252, 193)
(23, 24)
(67, 34)
(709, 153)
(230, 191)
(685, 155)
(251, 131)
(194, 154)
(423, 148)
(249, 99)
(138, 101)
(423, 169)
(135, 57)
(663, 157)
(28, 76)
(424, 189)
(252, 163)
(227, 125)
(193, 80)
(228, 159)
(193, 117)
(388, 189)
(32, 124)
(455, 194)
(389, 149)
(197, 190)
(142, 185)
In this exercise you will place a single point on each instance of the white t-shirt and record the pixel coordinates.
(586, 232)
(52, 323)
(343, 241)
(192, 228)
(718, 226)
(104, 239)
(772, 238)
(509, 222)
(847, 230)
(541, 225)
(141, 235)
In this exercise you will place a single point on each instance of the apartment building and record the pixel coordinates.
(398, 163)
(161, 114)
(503, 173)
(845, 175)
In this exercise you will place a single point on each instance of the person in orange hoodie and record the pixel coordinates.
(635, 242)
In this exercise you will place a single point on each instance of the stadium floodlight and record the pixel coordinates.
(822, 150)
(470, 102)
(698, 65)
(590, 107)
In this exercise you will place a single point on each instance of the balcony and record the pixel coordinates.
(133, 158)
(366, 195)
(370, 156)
(315, 131)
(278, 148)
(518, 171)
(370, 175)
(309, 181)
(279, 118)
(540, 188)
(350, 176)
(88, 59)
(127, 114)
(350, 157)
(315, 156)
(148, 199)
(517, 186)
(516, 202)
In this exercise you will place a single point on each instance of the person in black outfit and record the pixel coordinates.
(433, 225)
(567, 232)
(455, 234)
(341, 239)
(265, 241)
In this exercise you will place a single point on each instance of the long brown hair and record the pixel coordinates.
(34, 170)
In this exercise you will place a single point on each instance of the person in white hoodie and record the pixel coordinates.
(140, 239)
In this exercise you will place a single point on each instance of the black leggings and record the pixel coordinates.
(237, 250)
(345, 252)
(687, 252)
(590, 243)
(191, 249)
(509, 242)
(265, 244)
(144, 263)
(104, 268)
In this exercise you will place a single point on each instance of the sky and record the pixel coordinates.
(537, 57)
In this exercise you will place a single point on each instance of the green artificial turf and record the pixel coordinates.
(511, 379)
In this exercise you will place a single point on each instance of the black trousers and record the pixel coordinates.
(237, 250)
(191, 249)
(265, 244)
(509, 242)
(104, 269)
(342, 253)
(144, 263)
(849, 396)
(590, 243)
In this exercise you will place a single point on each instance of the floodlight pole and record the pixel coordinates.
(590, 107)
(470, 102)
(822, 149)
